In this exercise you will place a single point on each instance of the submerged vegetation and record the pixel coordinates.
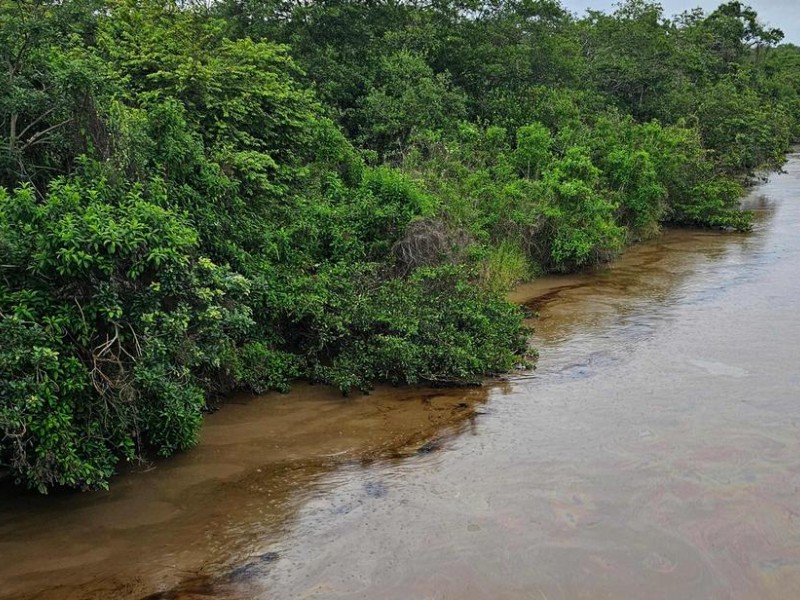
(200, 198)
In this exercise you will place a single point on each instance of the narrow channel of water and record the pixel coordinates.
(655, 453)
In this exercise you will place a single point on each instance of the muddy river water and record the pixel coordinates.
(654, 453)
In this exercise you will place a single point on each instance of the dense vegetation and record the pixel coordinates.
(199, 198)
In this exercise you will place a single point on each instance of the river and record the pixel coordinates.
(654, 453)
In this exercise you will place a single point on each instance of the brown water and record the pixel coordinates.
(655, 453)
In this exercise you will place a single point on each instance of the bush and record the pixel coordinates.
(434, 327)
(130, 329)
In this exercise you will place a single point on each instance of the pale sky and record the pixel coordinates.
(784, 14)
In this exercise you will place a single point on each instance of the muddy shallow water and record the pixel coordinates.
(654, 453)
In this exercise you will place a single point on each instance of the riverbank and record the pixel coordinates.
(652, 449)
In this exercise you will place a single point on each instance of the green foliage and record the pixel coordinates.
(533, 151)
(579, 220)
(735, 124)
(711, 206)
(641, 193)
(51, 80)
(386, 203)
(632, 49)
(201, 198)
(506, 264)
(435, 327)
(42, 387)
(129, 324)
(405, 98)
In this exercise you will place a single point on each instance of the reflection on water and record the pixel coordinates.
(653, 454)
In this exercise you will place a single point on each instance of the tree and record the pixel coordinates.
(49, 103)
(407, 98)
